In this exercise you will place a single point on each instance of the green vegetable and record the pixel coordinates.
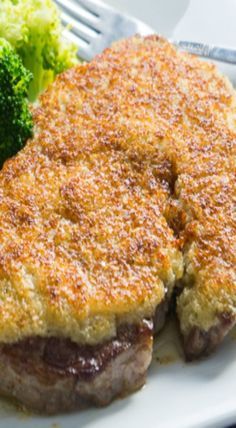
(34, 29)
(16, 124)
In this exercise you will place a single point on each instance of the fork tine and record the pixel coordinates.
(85, 50)
(95, 7)
(95, 25)
(80, 13)
(78, 28)
(68, 35)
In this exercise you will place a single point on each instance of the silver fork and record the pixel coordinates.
(93, 26)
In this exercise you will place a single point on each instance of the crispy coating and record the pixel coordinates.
(133, 158)
(85, 244)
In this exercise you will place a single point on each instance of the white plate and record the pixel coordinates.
(177, 395)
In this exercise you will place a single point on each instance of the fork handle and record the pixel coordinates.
(208, 51)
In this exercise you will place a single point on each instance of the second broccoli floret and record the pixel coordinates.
(33, 27)
(16, 124)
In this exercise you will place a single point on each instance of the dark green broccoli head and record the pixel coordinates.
(16, 124)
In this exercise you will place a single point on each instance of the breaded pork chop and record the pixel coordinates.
(127, 188)
(87, 258)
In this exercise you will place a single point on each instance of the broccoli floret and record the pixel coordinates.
(34, 29)
(16, 124)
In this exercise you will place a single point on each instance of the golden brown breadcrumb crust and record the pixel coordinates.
(133, 160)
